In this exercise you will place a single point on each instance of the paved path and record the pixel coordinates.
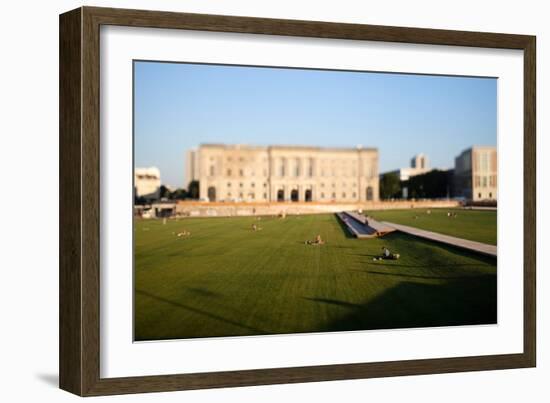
(486, 249)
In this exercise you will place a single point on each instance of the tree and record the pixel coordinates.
(193, 190)
(140, 201)
(178, 194)
(431, 185)
(164, 192)
(390, 186)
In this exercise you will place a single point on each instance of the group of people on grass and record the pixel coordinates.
(318, 240)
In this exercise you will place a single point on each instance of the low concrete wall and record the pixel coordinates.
(206, 209)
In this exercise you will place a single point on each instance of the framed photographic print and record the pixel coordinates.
(248, 201)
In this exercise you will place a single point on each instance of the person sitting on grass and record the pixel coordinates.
(317, 241)
(387, 254)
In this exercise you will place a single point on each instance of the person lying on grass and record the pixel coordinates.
(387, 254)
(317, 241)
(256, 228)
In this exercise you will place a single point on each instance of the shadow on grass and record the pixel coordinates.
(333, 302)
(400, 241)
(469, 301)
(395, 264)
(203, 292)
(199, 311)
(401, 275)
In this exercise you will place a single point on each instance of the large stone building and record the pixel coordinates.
(147, 183)
(476, 174)
(286, 173)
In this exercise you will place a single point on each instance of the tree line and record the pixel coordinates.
(192, 192)
(430, 185)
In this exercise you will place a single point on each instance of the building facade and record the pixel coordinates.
(191, 166)
(287, 173)
(476, 174)
(147, 183)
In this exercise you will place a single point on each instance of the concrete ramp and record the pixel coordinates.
(361, 227)
(378, 227)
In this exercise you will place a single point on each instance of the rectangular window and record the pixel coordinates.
(484, 162)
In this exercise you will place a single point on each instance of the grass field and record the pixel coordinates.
(475, 225)
(226, 280)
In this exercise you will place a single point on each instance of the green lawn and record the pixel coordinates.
(226, 280)
(475, 225)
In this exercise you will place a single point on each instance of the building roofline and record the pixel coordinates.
(477, 147)
(286, 147)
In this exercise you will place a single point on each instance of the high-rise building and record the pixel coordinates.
(419, 165)
(191, 166)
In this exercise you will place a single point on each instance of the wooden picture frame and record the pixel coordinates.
(79, 201)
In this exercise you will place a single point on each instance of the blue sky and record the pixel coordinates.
(178, 106)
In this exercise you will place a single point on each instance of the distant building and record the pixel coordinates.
(191, 166)
(476, 174)
(287, 173)
(419, 165)
(147, 183)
